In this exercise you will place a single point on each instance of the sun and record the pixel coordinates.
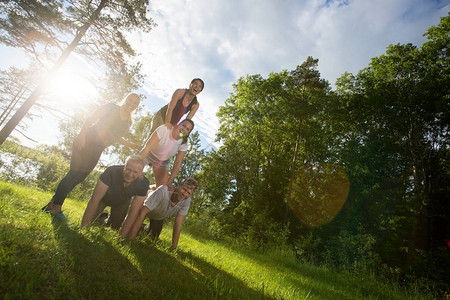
(70, 88)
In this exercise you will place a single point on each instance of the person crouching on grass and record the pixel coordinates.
(115, 188)
(159, 205)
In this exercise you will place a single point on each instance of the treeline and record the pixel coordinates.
(355, 177)
(42, 167)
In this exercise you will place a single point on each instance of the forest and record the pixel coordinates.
(354, 177)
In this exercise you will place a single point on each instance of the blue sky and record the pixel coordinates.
(220, 41)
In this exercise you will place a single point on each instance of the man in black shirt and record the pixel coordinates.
(115, 188)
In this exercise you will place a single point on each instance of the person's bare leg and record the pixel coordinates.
(161, 176)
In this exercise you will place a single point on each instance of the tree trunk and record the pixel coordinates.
(23, 110)
(12, 104)
(419, 229)
(291, 182)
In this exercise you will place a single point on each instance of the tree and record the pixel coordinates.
(305, 96)
(397, 113)
(12, 90)
(95, 29)
(193, 160)
(269, 129)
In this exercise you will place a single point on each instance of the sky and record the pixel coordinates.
(221, 41)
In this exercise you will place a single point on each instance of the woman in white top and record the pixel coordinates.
(162, 145)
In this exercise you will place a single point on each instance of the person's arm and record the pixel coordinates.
(193, 110)
(143, 211)
(173, 102)
(136, 205)
(128, 144)
(151, 143)
(98, 193)
(179, 219)
(80, 140)
(176, 167)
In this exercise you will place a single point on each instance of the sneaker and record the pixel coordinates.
(46, 209)
(143, 228)
(59, 216)
(102, 218)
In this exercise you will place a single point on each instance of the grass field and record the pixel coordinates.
(41, 258)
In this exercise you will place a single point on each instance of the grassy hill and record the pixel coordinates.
(41, 258)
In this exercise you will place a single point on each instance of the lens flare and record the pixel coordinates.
(318, 193)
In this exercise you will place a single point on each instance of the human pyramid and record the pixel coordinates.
(122, 185)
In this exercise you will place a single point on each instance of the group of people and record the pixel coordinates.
(120, 185)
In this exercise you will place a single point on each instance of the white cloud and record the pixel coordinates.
(221, 41)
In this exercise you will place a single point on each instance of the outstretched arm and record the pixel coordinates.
(151, 143)
(176, 167)
(173, 102)
(128, 144)
(179, 219)
(193, 110)
(143, 211)
(136, 205)
(91, 208)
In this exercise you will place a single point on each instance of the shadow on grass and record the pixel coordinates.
(61, 262)
(96, 269)
(313, 280)
(183, 276)
(93, 268)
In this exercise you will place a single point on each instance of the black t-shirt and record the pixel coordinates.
(110, 127)
(117, 194)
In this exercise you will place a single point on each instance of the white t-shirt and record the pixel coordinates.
(167, 146)
(159, 204)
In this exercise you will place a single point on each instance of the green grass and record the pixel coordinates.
(41, 258)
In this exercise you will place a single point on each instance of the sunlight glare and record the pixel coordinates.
(71, 89)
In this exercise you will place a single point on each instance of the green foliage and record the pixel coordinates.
(403, 112)
(265, 233)
(42, 168)
(269, 128)
(139, 133)
(214, 229)
(379, 144)
(193, 160)
(291, 146)
(49, 31)
(353, 250)
(432, 271)
(52, 24)
(43, 258)
(51, 172)
(19, 30)
(306, 248)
